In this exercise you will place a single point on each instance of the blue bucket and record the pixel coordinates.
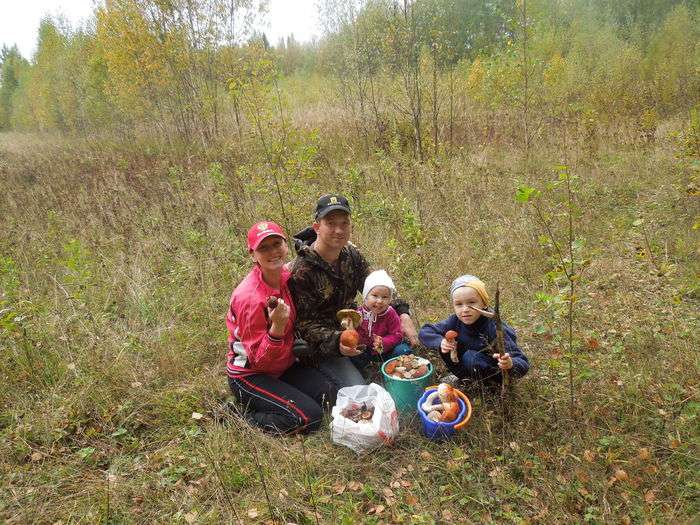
(438, 430)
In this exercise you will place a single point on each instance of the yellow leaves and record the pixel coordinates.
(621, 475)
(475, 79)
(650, 496)
(618, 476)
(355, 486)
(644, 454)
(453, 465)
(589, 456)
(389, 496)
(555, 71)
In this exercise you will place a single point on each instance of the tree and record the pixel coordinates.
(11, 66)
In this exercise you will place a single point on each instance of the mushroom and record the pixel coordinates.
(447, 409)
(451, 335)
(349, 320)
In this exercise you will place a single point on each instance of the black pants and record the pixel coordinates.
(291, 403)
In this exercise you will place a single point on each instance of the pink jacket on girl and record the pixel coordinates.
(387, 325)
(251, 348)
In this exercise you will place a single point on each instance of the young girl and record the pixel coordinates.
(277, 393)
(380, 331)
(476, 336)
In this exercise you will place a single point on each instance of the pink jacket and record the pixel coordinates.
(251, 348)
(387, 325)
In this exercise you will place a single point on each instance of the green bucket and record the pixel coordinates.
(406, 392)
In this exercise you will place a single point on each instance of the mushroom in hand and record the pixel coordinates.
(451, 336)
(349, 320)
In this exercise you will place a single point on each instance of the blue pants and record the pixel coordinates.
(361, 361)
(340, 372)
(480, 366)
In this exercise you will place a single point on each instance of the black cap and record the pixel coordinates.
(329, 203)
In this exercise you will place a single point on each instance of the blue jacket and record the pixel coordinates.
(476, 344)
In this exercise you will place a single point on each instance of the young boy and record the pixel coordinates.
(380, 331)
(476, 336)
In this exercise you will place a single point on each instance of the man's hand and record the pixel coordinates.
(348, 351)
(504, 362)
(409, 330)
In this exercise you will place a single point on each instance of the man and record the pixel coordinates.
(327, 274)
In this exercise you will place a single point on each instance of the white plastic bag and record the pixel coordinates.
(362, 437)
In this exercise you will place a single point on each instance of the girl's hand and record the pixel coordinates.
(448, 346)
(504, 362)
(278, 318)
(377, 344)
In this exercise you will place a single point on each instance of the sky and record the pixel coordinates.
(19, 20)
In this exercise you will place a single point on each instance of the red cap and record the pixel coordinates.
(262, 230)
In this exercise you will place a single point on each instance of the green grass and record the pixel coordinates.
(117, 265)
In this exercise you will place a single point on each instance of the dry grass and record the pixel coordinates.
(118, 261)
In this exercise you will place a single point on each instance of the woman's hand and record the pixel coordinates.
(279, 316)
(505, 362)
(447, 346)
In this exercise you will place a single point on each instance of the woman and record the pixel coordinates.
(278, 394)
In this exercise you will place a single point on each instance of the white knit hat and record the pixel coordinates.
(378, 278)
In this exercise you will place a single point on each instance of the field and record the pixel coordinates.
(116, 264)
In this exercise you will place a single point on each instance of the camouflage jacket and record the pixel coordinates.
(320, 290)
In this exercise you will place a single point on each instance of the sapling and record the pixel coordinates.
(219, 478)
(567, 265)
(263, 482)
(308, 479)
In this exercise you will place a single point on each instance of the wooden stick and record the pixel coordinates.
(500, 343)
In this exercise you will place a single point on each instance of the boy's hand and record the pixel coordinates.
(448, 346)
(504, 362)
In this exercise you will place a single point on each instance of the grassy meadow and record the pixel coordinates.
(117, 260)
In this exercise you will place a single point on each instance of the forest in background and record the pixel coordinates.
(425, 73)
(550, 147)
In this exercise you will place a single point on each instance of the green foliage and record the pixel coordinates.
(12, 65)
(401, 70)
(118, 284)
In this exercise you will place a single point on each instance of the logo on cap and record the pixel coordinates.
(262, 226)
(334, 200)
